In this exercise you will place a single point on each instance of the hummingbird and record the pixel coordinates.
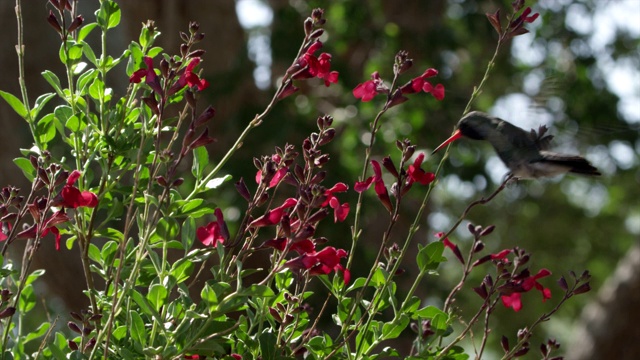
(525, 153)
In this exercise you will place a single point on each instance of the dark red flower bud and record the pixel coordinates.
(397, 98)
(287, 89)
(184, 48)
(177, 182)
(317, 178)
(53, 21)
(196, 53)
(308, 26)
(582, 289)
(521, 352)
(72, 345)
(161, 180)
(275, 315)
(478, 246)
(505, 343)
(194, 26)
(316, 33)
(202, 140)
(327, 136)
(74, 327)
(76, 316)
(318, 215)
(562, 282)
(391, 168)
(481, 291)
(75, 23)
(321, 160)
(471, 228)
(90, 344)
(494, 19)
(198, 37)
(7, 312)
(151, 102)
(488, 230)
(242, 189)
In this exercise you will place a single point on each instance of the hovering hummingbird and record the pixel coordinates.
(524, 153)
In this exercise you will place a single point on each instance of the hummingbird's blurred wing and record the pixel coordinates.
(574, 163)
(542, 142)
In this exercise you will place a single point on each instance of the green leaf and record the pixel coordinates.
(75, 123)
(141, 301)
(46, 130)
(108, 253)
(94, 253)
(42, 329)
(27, 299)
(393, 329)
(188, 234)
(27, 169)
(268, 344)
(216, 182)
(97, 90)
(41, 101)
(34, 276)
(108, 16)
(181, 270)
(157, 296)
(53, 80)
(15, 103)
(200, 161)
(85, 30)
(138, 332)
(256, 291)
(89, 54)
(84, 80)
(430, 256)
(167, 228)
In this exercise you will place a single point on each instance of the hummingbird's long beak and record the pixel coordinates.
(456, 135)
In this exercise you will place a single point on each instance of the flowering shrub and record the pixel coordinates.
(146, 306)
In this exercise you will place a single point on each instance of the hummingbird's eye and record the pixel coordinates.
(470, 132)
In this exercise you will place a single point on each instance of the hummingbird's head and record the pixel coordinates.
(475, 125)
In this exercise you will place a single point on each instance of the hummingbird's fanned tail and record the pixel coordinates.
(574, 163)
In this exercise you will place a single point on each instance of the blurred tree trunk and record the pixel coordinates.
(609, 325)
(225, 59)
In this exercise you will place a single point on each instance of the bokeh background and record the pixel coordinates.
(577, 72)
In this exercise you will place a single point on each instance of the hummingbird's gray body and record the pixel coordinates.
(525, 153)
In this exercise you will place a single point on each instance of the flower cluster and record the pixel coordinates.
(405, 178)
(367, 90)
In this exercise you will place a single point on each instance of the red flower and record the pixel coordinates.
(370, 88)
(340, 212)
(215, 232)
(311, 66)
(49, 226)
(339, 187)
(421, 84)
(512, 301)
(453, 247)
(273, 217)
(73, 198)
(379, 187)
(324, 70)
(511, 296)
(149, 75)
(321, 263)
(416, 174)
(188, 77)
